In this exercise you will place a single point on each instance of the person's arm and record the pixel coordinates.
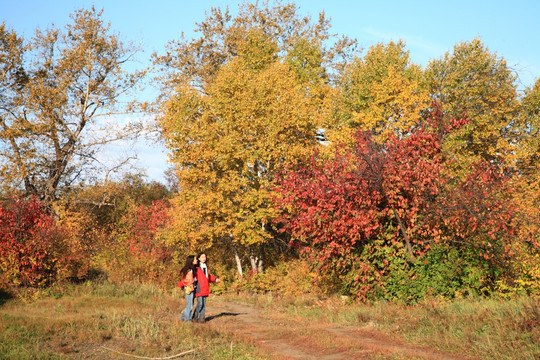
(212, 278)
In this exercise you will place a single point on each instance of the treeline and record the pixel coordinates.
(302, 163)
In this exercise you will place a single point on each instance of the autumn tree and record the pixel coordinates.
(381, 92)
(247, 99)
(33, 247)
(136, 250)
(92, 215)
(335, 208)
(475, 83)
(526, 198)
(471, 81)
(229, 144)
(56, 90)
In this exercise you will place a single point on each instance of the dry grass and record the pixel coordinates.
(135, 319)
(77, 322)
(479, 328)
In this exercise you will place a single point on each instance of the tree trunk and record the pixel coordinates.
(257, 261)
(408, 245)
(253, 260)
(237, 259)
(260, 263)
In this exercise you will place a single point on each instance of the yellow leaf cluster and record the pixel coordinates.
(228, 145)
(473, 83)
(381, 92)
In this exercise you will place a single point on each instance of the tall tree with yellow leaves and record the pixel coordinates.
(229, 143)
(54, 89)
(526, 198)
(473, 83)
(381, 92)
(247, 101)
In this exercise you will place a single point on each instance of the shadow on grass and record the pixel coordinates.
(209, 318)
(4, 296)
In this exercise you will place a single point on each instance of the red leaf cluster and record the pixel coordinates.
(145, 223)
(396, 192)
(28, 236)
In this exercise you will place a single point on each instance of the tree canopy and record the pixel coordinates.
(55, 89)
(472, 82)
(381, 92)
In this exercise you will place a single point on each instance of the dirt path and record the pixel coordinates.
(294, 340)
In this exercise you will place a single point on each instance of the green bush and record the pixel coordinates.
(442, 272)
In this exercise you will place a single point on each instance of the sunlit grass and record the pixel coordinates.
(485, 328)
(81, 321)
(85, 321)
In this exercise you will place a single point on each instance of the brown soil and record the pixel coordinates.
(286, 339)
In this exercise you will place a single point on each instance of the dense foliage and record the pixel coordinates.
(33, 250)
(294, 157)
(371, 214)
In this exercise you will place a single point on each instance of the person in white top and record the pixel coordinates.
(204, 278)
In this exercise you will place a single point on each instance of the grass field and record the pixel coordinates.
(100, 320)
(479, 328)
(87, 320)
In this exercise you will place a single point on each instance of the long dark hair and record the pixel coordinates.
(189, 265)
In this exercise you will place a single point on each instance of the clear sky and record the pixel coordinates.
(429, 29)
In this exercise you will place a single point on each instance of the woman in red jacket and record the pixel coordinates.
(203, 287)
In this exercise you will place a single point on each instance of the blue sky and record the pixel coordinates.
(429, 29)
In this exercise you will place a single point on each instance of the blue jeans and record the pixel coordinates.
(200, 309)
(186, 315)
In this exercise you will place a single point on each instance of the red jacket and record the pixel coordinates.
(204, 282)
